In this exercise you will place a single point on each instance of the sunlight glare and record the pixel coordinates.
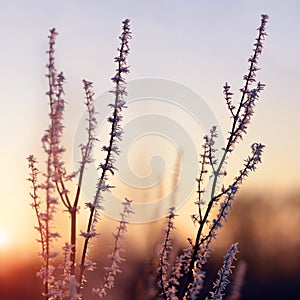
(4, 239)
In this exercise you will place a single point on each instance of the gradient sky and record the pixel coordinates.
(200, 44)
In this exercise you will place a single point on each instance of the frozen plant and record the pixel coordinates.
(49, 195)
(180, 279)
(187, 277)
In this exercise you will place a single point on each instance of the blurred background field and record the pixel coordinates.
(266, 227)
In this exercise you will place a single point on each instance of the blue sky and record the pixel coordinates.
(200, 44)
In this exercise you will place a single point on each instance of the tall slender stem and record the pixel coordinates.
(236, 127)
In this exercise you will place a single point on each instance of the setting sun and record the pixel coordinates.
(5, 239)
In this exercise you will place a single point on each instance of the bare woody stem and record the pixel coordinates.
(86, 158)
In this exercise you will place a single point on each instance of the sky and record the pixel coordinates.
(197, 44)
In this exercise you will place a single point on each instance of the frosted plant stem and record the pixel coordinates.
(239, 126)
(112, 148)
